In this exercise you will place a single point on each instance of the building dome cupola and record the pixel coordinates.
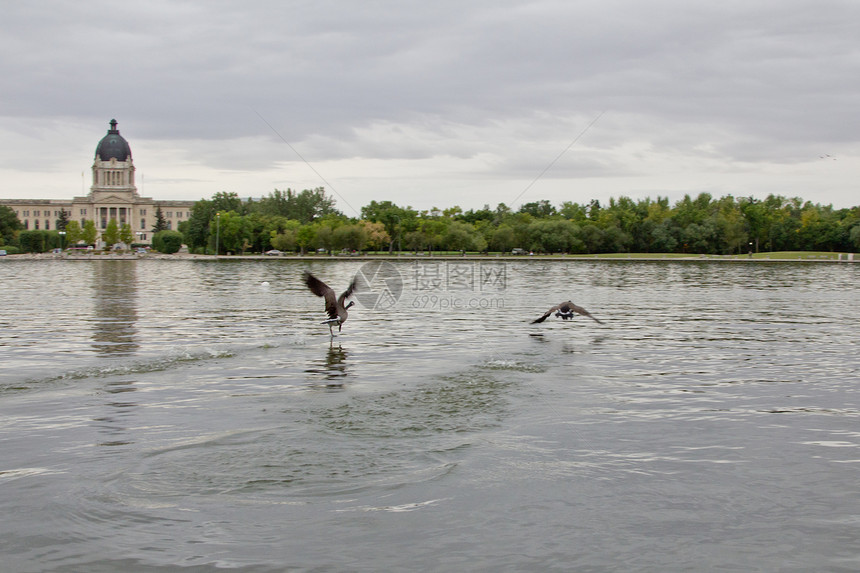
(113, 146)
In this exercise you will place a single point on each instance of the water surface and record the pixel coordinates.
(194, 415)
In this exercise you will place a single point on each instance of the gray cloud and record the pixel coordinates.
(502, 86)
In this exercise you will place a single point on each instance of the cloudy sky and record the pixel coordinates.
(436, 103)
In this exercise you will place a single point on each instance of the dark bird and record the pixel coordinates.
(566, 310)
(337, 312)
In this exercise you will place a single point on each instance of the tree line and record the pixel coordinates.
(306, 221)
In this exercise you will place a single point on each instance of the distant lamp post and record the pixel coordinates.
(62, 240)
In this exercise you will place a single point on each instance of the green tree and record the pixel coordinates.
(73, 233)
(235, 232)
(503, 239)
(62, 220)
(110, 235)
(167, 242)
(160, 221)
(854, 235)
(9, 225)
(396, 220)
(285, 240)
(126, 235)
(350, 237)
(305, 237)
(201, 225)
(89, 233)
(538, 209)
(554, 236)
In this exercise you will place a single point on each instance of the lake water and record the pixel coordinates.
(196, 416)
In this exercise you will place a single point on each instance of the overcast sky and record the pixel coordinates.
(436, 103)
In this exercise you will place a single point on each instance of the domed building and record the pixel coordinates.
(113, 195)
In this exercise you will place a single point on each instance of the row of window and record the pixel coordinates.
(39, 213)
(83, 222)
(47, 213)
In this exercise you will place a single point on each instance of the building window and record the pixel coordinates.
(143, 212)
(169, 214)
(83, 211)
(26, 224)
(36, 224)
(47, 225)
(143, 223)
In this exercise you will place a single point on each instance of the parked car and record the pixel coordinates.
(273, 253)
(518, 251)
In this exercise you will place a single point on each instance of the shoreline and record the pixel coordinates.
(761, 257)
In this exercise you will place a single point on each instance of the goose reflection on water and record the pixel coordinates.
(332, 367)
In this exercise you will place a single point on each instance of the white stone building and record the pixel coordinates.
(113, 195)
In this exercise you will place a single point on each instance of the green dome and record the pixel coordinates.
(113, 145)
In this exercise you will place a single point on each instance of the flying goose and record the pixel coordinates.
(333, 304)
(565, 311)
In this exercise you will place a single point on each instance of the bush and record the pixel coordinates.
(167, 242)
(32, 241)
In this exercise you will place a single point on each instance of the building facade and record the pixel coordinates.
(113, 195)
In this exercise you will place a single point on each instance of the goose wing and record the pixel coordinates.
(319, 288)
(546, 314)
(580, 310)
(347, 293)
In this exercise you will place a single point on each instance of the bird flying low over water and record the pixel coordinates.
(566, 310)
(337, 312)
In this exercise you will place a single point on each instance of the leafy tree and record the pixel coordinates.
(573, 211)
(285, 240)
(854, 235)
(167, 242)
(538, 209)
(305, 237)
(126, 235)
(396, 220)
(306, 206)
(234, 232)
(503, 238)
(9, 225)
(554, 236)
(377, 237)
(350, 237)
(110, 235)
(89, 234)
(224, 202)
(73, 233)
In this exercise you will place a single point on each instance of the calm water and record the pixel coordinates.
(195, 416)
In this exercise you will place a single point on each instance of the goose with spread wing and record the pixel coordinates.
(566, 310)
(334, 305)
